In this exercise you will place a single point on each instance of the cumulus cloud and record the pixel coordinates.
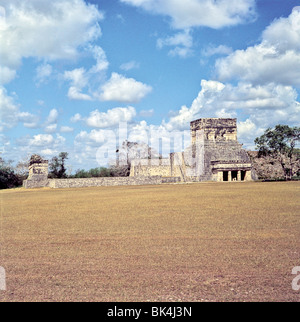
(29, 120)
(80, 78)
(182, 43)
(51, 128)
(41, 143)
(41, 140)
(87, 146)
(53, 116)
(9, 111)
(46, 29)
(66, 129)
(101, 59)
(122, 89)
(11, 115)
(76, 118)
(256, 103)
(95, 137)
(276, 59)
(6, 75)
(196, 13)
(111, 117)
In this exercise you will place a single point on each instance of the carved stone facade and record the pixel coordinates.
(38, 175)
(214, 155)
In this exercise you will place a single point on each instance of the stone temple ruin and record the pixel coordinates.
(38, 173)
(214, 155)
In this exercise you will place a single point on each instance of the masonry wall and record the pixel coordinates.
(31, 184)
(94, 182)
(150, 167)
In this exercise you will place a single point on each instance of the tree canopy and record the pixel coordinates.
(280, 143)
(57, 166)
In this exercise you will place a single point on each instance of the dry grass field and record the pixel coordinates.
(194, 242)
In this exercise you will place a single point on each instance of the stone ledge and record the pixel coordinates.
(93, 182)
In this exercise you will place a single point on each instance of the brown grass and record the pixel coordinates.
(197, 242)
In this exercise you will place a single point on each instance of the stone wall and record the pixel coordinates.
(150, 167)
(94, 182)
(31, 184)
(171, 180)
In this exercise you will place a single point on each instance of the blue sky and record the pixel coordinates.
(72, 70)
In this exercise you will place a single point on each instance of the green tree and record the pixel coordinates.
(8, 178)
(280, 143)
(57, 166)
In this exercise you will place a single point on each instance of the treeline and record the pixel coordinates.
(58, 170)
(101, 172)
(10, 176)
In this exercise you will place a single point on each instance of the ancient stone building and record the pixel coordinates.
(38, 173)
(214, 155)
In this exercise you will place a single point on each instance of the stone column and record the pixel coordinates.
(220, 176)
(248, 176)
(229, 176)
(239, 176)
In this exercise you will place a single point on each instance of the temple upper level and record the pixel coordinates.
(215, 129)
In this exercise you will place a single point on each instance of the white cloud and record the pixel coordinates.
(130, 65)
(51, 128)
(9, 111)
(196, 13)
(101, 60)
(30, 121)
(122, 89)
(53, 116)
(87, 145)
(263, 106)
(6, 75)
(43, 72)
(216, 50)
(45, 144)
(76, 118)
(80, 78)
(41, 140)
(182, 42)
(46, 29)
(275, 60)
(95, 137)
(111, 117)
(147, 113)
(10, 114)
(66, 129)
(49, 152)
(74, 93)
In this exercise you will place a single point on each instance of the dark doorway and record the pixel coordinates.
(225, 176)
(243, 175)
(234, 175)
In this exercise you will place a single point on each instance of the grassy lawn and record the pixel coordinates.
(195, 242)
